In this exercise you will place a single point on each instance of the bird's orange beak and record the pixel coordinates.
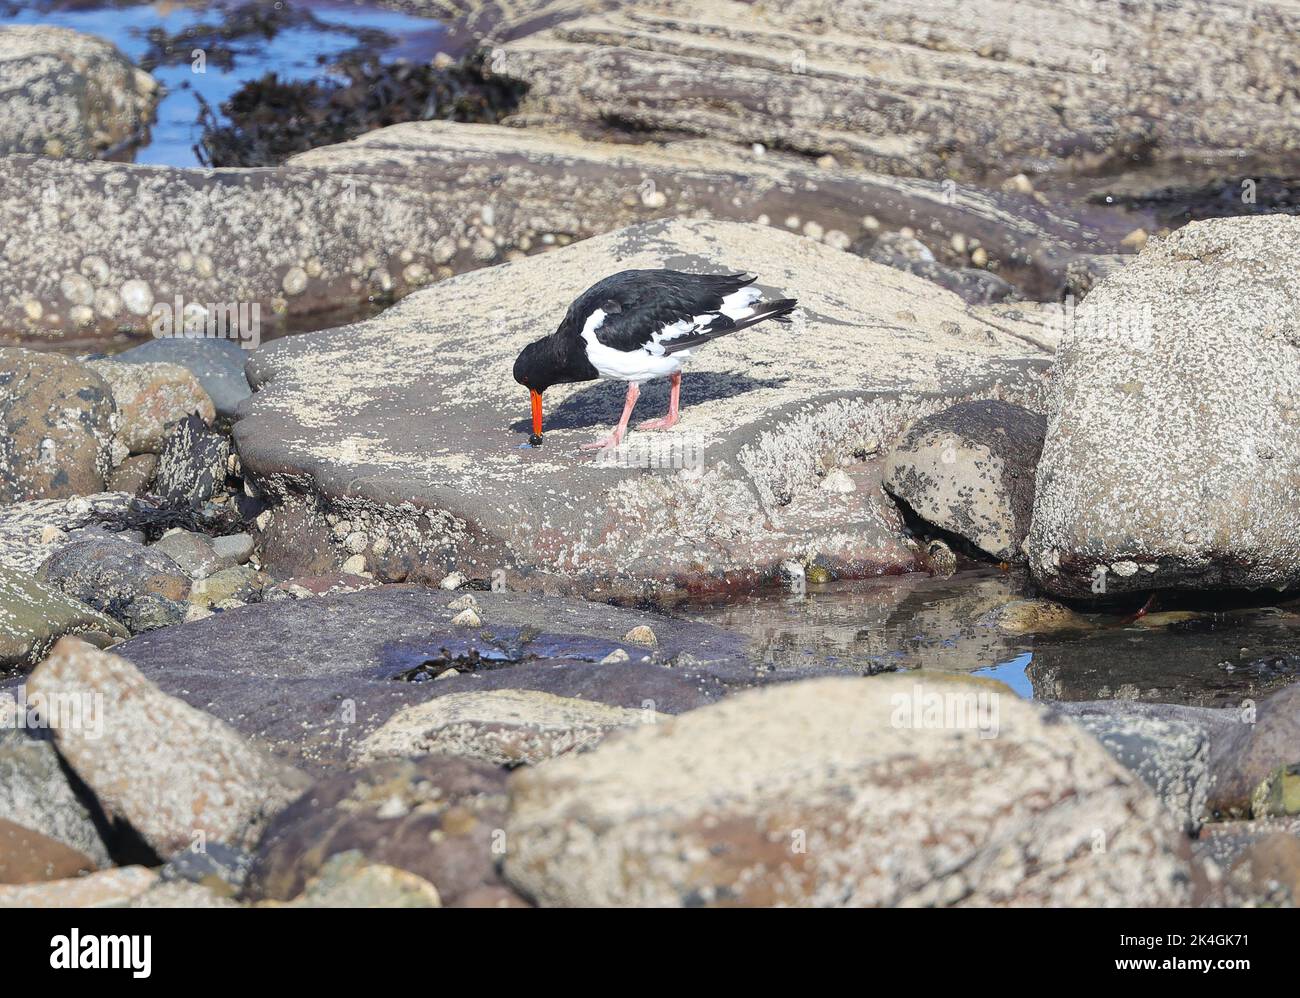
(536, 438)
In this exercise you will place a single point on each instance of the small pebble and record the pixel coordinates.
(641, 635)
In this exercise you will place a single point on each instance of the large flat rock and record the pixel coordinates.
(403, 439)
(950, 89)
(311, 679)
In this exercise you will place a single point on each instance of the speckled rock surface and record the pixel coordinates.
(56, 427)
(33, 615)
(536, 188)
(217, 363)
(106, 246)
(139, 587)
(27, 856)
(1173, 436)
(435, 817)
(970, 470)
(398, 440)
(65, 93)
(838, 792)
(35, 792)
(503, 727)
(102, 889)
(193, 463)
(205, 780)
(310, 678)
(31, 531)
(943, 89)
(148, 398)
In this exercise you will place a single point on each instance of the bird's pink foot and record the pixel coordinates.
(665, 423)
(613, 440)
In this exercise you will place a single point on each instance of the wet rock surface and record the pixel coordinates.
(1173, 434)
(458, 489)
(311, 678)
(207, 782)
(56, 427)
(69, 94)
(767, 797)
(970, 470)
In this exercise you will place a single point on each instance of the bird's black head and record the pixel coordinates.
(535, 370)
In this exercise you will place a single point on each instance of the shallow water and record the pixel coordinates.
(294, 53)
(916, 622)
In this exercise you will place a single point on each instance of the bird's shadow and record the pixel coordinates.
(601, 404)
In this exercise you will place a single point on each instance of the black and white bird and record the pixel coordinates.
(637, 326)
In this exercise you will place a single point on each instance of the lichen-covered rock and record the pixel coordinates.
(845, 792)
(205, 782)
(37, 794)
(436, 817)
(69, 94)
(217, 363)
(33, 615)
(970, 470)
(1173, 434)
(150, 397)
(329, 431)
(127, 581)
(56, 427)
(503, 727)
(193, 463)
(32, 531)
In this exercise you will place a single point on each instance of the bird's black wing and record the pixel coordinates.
(639, 303)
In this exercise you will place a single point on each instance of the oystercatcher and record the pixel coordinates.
(636, 326)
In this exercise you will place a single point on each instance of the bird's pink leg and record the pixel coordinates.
(674, 395)
(616, 438)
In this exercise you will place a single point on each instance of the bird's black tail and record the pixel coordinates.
(779, 310)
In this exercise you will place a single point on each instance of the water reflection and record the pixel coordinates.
(1202, 656)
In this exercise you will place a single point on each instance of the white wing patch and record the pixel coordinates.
(651, 362)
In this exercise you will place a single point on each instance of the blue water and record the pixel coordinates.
(1012, 673)
(294, 53)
